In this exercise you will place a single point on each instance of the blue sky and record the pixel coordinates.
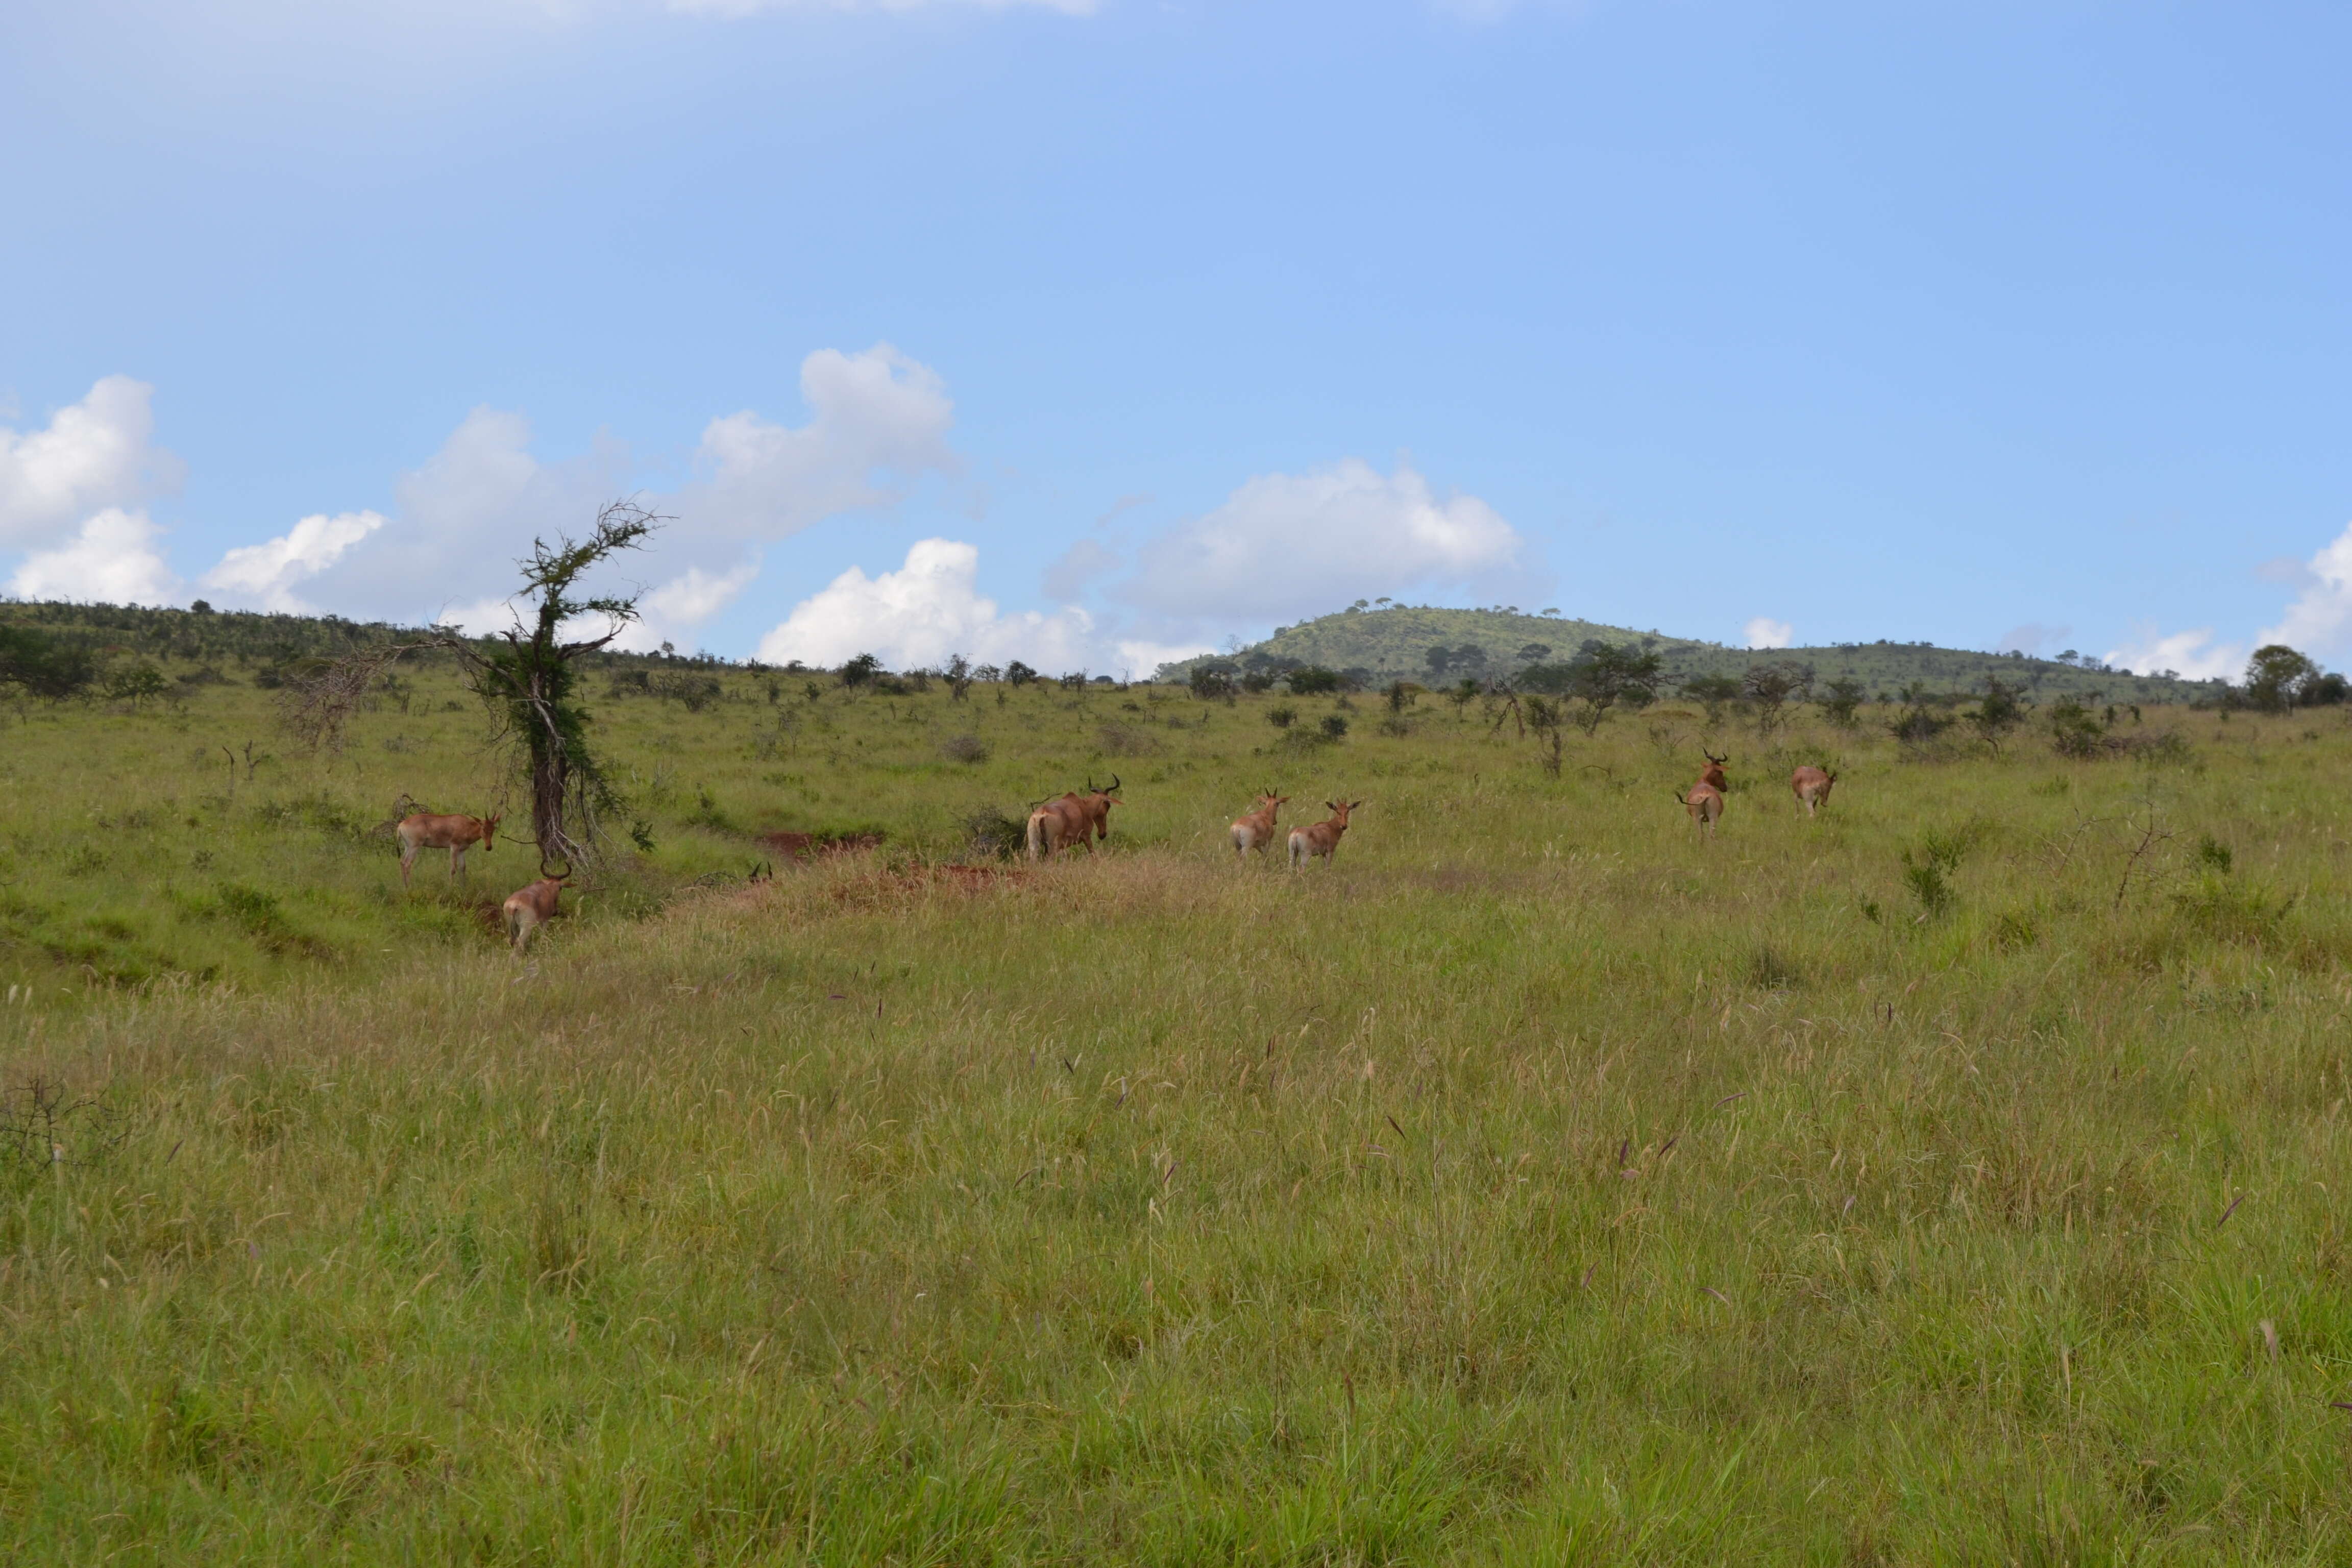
(1093, 333)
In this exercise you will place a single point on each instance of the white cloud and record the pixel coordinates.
(2195, 655)
(869, 412)
(94, 454)
(111, 559)
(928, 609)
(1285, 545)
(264, 575)
(1765, 632)
(2319, 622)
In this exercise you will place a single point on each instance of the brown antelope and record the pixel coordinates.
(1704, 804)
(1704, 800)
(425, 830)
(1096, 804)
(1811, 788)
(1256, 831)
(1320, 838)
(1057, 824)
(531, 908)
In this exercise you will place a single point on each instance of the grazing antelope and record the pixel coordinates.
(1320, 838)
(527, 910)
(425, 830)
(1256, 831)
(1811, 788)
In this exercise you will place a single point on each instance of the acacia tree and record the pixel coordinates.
(528, 682)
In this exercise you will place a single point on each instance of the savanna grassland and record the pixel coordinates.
(1951, 1178)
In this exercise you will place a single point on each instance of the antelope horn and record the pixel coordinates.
(1114, 785)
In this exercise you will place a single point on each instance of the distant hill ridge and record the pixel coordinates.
(1397, 642)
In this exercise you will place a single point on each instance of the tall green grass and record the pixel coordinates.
(1538, 1184)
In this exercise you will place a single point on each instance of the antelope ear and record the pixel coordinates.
(1330, 806)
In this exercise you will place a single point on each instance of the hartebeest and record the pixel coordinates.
(1811, 788)
(1704, 800)
(1055, 825)
(1071, 818)
(1096, 804)
(1704, 804)
(1256, 831)
(1319, 840)
(531, 908)
(424, 830)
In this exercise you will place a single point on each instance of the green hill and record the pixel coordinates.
(1383, 645)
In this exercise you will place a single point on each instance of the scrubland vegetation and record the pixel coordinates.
(1952, 1178)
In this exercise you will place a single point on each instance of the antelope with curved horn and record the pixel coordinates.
(423, 830)
(1811, 788)
(532, 907)
(1320, 840)
(1096, 804)
(1256, 831)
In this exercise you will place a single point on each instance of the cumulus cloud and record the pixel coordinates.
(1765, 632)
(929, 608)
(2196, 654)
(871, 413)
(110, 559)
(264, 575)
(1289, 544)
(2318, 623)
(94, 454)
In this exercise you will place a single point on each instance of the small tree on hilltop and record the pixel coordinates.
(2276, 676)
(528, 683)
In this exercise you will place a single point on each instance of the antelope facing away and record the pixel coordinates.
(1055, 825)
(531, 908)
(1704, 800)
(424, 830)
(1320, 838)
(1811, 788)
(1256, 831)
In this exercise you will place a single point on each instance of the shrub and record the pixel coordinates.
(968, 748)
(1335, 726)
(1843, 706)
(2075, 731)
(1282, 717)
(990, 834)
(861, 670)
(1313, 681)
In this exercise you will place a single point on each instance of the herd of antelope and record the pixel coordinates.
(1059, 823)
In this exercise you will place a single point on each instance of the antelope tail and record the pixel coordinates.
(1037, 836)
